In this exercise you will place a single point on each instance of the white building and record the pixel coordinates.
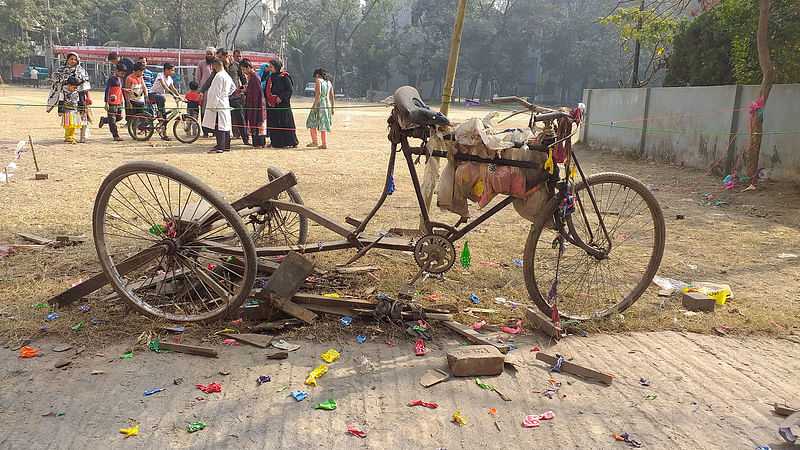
(260, 17)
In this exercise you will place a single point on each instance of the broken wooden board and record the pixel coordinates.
(275, 325)
(473, 336)
(291, 308)
(256, 340)
(98, 281)
(36, 239)
(784, 409)
(501, 394)
(434, 376)
(63, 241)
(287, 278)
(575, 369)
(190, 349)
(541, 323)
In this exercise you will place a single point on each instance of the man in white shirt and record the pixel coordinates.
(217, 116)
(34, 74)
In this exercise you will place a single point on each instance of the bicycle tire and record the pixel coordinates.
(574, 298)
(189, 125)
(277, 234)
(198, 274)
(140, 128)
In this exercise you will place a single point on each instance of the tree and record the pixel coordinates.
(701, 53)
(767, 78)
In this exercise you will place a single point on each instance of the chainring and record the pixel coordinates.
(436, 252)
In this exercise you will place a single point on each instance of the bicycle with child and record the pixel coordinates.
(149, 120)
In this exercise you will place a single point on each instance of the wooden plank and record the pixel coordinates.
(433, 376)
(575, 369)
(98, 281)
(290, 275)
(785, 410)
(190, 349)
(473, 336)
(256, 340)
(540, 322)
(339, 311)
(293, 309)
(70, 240)
(36, 239)
(148, 282)
(331, 224)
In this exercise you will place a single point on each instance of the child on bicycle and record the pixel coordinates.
(114, 101)
(193, 98)
(71, 109)
(162, 85)
(135, 92)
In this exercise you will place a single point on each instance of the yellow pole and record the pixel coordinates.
(452, 63)
(432, 166)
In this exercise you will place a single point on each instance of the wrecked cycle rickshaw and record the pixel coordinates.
(173, 248)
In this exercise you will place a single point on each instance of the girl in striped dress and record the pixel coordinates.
(71, 109)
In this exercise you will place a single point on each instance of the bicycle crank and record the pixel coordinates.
(434, 253)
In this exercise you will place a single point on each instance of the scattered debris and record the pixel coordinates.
(62, 363)
(152, 391)
(330, 356)
(278, 355)
(61, 347)
(283, 345)
(790, 428)
(473, 336)
(421, 403)
(493, 411)
(543, 324)
(27, 352)
(477, 360)
(256, 340)
(433, 376)
(321, 370)
(624, 437)
(355, 432)
(457, 417)
(346, 320)
(299, 395)
(419, 348)
(787, 255)
(695, 301)
(213, 387)
(329, 404)
(196, 426)
(576, 369)
(128, 432)
(784, 409)
(264, 379)
(644, 382)
(191, 349)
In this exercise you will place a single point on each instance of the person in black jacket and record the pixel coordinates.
(280, 120)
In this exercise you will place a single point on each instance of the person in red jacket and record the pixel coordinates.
(114, 101)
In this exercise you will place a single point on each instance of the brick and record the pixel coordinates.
(695, 301)
(475, 360)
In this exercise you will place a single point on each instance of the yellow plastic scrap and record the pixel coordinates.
(334, 295)
(130, 431)
(572, 173)
(226, 330)
(548, 165)
(330, 356)
(458, 419)
(316, 373)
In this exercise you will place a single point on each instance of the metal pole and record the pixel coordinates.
(432, 166)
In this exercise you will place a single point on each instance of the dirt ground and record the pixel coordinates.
(738, 243)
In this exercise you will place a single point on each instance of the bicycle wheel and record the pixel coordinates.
(186, 129)
(141, 128)
(202, 260)
(587, 286)
(272, 226)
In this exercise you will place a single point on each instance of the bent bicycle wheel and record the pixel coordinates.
(581, 285)
(186, 129)
(140, 128)
(170, 245)
(275, 227)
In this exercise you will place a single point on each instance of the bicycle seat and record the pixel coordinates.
(412, 109)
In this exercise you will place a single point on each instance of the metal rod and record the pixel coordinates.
(384, 194)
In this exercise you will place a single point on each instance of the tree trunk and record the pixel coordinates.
(473, 84)
(767, 78)
(637, 51)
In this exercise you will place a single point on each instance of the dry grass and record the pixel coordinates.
(737, 244)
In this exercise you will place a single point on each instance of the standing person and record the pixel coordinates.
(237, 99)
(280, 120)
(115, 58)
(114, 101)
(34, 74)
(135, 92)
(218, 109)
(321, 114)
(193, 100)
(201, 74)
(254, 102)
(72, 68)
(70, 102)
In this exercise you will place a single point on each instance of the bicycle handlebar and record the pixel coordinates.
(540, 113)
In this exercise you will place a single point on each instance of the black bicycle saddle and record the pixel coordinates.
(411, 107)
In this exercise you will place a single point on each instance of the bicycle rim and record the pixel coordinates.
(588, 287)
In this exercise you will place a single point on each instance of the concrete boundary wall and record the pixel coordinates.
(695, 126)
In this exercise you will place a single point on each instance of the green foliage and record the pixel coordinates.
(740, 19)
(701, 54)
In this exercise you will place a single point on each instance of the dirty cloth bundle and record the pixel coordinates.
(481, 182)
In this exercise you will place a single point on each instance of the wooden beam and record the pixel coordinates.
(100, 280)
(540, 322)
(36, 239)
(256, 340)
(575, 369)
(331, 224)
(290, 274)
(190, 349)
(473, 336)
(292, 309)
